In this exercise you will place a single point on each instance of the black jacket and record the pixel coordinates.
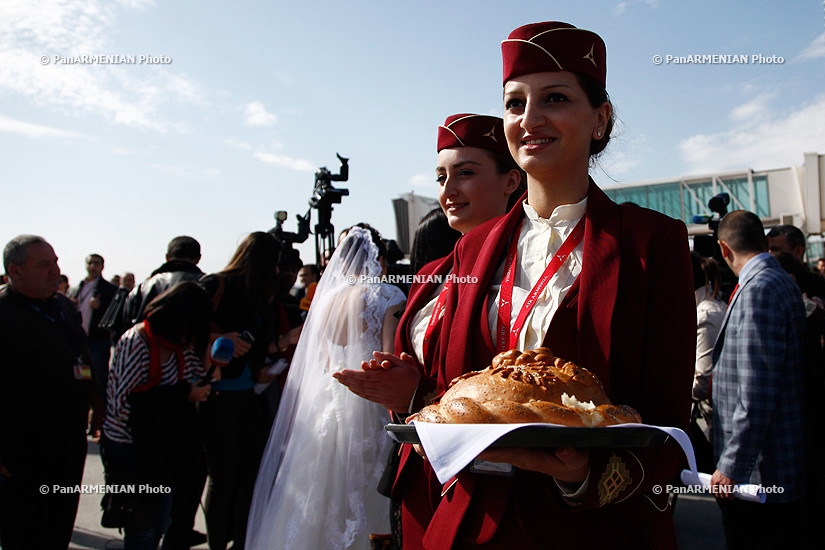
(105, 292)
(41, 402)
(163, 278)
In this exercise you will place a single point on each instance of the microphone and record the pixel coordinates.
(222, 351)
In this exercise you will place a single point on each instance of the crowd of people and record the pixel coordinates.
(281, 423)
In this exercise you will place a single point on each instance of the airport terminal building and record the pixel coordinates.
(792, 195)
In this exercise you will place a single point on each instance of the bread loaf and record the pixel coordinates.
(525, 387)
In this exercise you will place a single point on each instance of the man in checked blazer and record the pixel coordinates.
(757, 392)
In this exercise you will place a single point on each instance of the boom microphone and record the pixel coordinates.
(221, 354)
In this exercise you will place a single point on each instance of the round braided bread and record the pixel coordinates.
(524, 387)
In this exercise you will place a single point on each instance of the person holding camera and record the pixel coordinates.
(233, 420)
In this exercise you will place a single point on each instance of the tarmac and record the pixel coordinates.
(697, 517)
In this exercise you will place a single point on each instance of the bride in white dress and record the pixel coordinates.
(316, 487)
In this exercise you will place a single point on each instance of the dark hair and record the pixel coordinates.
(291, 259)
(255, 263)
(793, 235)
(794, 267)
(182, 315)
(394, 252)
(313, 268)
(504, 163)
(98, 256)
(706, 272)
(597, 96)
(433, 239)
(743, 232)
(15, 251)
(184, 248)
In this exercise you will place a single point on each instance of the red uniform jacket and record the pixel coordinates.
(416, 486)
(629, 318)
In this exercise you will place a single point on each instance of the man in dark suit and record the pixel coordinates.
(45, 384)
(757, 392)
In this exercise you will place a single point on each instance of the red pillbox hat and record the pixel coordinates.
(468, 130)
(553, 46)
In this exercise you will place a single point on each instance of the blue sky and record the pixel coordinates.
(250, 98)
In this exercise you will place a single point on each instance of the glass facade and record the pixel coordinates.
(683, 200)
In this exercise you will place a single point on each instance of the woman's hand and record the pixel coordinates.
(565, 463)
(285, 340)
(387, 380)
(241, 346)
(198, 393)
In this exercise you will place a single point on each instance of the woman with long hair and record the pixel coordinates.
(234, 420)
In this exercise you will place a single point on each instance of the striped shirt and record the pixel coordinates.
(130, 369)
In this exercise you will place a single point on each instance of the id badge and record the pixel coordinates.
(82, 371)
(493, 468)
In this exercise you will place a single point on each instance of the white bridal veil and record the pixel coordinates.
(316, 487)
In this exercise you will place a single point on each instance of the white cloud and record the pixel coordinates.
(288, 162)
(256, 114)
(772, 140)
(33, 130)
(815, 50)
(127, 94)
(755, 110)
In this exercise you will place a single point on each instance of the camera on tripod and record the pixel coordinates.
(718, 204)
(324, 195)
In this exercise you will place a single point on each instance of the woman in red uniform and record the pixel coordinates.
(605, 286)
(478, 181)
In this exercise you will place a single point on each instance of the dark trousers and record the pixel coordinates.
(234, 435)
(33, 513)
(190, 480)
(153, 509)
(100, 350)
(754, 526)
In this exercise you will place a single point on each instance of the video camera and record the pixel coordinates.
(286, 237)
(324, 195)
(718, 204)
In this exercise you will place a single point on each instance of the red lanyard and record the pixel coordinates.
(435, 317)
(507, 337)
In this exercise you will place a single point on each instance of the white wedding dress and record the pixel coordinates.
(316, 487)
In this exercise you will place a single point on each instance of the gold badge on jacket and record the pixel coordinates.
(614, 480)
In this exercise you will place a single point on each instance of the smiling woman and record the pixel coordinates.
(605, 286)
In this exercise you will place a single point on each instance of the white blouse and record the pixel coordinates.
(539, 240)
